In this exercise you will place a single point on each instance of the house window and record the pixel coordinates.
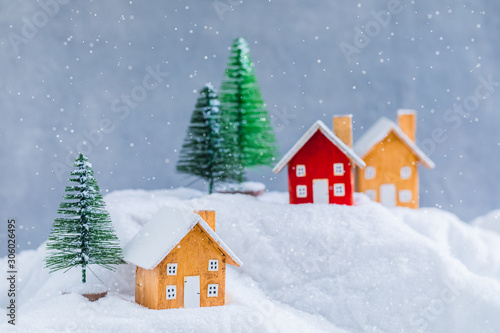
(213, 290)
(405, 172)
(171, 269)
(369, 172)
(338, 169)
(301, 170)
(371, 194)
(338, 190)
(301, 191)
(405, 195)
(171, 292)
(213, 265)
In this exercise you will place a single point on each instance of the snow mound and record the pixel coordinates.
(308, 268)
(490, 221)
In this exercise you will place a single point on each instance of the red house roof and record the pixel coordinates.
(318, 126)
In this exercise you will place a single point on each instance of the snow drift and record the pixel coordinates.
(307, 268)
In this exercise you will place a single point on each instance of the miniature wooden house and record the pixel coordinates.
(181, 262)
(391, 155)
(320, 164)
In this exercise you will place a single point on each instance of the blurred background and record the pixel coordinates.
(73, 76)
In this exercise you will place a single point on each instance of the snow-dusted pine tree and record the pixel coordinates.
(245, 118)
(84, 234)
(204, 152)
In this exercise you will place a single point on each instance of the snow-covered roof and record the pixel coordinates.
(163, 232)
(318, 125)
(380, 131)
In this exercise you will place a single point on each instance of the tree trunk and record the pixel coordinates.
(84, 275)
(210, 185)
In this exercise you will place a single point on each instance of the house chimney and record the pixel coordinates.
(407, 123)
(342, 127)
(208, 216)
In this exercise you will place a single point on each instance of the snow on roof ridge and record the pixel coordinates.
(406, 111)
(379, 132)
(318, 125)
(163, 232)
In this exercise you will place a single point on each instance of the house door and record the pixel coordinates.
(192, 291)
(388, 195)
(320, 191)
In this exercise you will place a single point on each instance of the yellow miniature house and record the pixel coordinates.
(181, 262)
(391, 155)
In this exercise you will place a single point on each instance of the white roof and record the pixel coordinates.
(163, 232)
(318, 125)
(380, 131)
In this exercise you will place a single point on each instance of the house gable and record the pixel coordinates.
(321, 127)
(192, 256)
(317, 157)
(392, 149)
(379, 132)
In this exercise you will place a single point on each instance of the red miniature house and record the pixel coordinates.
(181, 261)
(320, 164)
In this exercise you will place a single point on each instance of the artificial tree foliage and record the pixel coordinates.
(205, 153)
(84, 234)
(245, 118)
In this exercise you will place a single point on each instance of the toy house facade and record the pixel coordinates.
(320, 164)
(181, 262)
(392, 157)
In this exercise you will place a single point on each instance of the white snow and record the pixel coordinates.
(163, 232)
(308, 268)
(379, 131)
(85, 288)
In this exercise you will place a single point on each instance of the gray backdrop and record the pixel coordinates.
(74, 76)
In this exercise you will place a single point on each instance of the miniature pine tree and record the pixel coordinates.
(84, 234)
(204, 152)
(245, 118)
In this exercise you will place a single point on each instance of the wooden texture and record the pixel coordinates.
(319, 155)
(146, 287)
(388, 157)
(192, 255)
(342, 127)
(208, 216)
(407, 123)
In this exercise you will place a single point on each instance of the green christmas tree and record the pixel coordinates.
(204, 152)
(84, 235)
(245, 118)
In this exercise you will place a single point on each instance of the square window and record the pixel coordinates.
(405, 196)
(171, 292)
(371, 194)
(369, 172)
(339, 190)
(301, 191)
(300, 170)
(405, 172)
(213, 265)
(213, 290)
(338, 169)
(171, 269)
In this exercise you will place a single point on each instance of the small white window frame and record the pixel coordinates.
(213, 290)
(301, 191)
(338, 169)
(370, 172)
(213, 265)
(339, 190)
(300, 170)
(171, 269)
(405, 172)
(405, 196)
(171, 292)
(372, 194)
